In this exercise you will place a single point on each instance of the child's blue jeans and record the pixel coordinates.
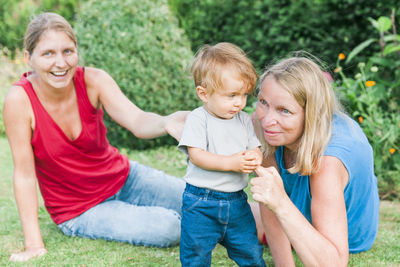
(145, 211)
(210, 217)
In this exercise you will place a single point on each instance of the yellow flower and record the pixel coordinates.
(392, 150)
(370, 83)
(360, 119)
(342, 56)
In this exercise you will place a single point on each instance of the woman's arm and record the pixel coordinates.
(277, 240)
(103, 90)
(18, 119)
(244, 161)
(325, 242)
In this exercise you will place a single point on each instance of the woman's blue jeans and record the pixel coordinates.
(211, 217)
(145, 211)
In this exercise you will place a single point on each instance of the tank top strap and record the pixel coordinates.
(81, 90)
(37, 107)
(26, 84)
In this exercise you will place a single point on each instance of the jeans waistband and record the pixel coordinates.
(212, 194)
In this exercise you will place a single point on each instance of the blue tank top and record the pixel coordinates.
(349, 144)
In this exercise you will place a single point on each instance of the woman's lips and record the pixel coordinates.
(271, 133)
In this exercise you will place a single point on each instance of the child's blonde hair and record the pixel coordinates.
(210, 61)
(306, 82)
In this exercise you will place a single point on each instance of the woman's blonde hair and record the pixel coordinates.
(211, 60)
(43, 22)
(306, 82)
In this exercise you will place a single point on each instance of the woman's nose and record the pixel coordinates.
(268, 117)
(60, 61)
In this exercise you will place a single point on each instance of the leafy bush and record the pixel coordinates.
(269, 29)
(15, 16)
(140, 45)
(372, 97)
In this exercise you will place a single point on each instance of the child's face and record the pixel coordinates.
(225, 102)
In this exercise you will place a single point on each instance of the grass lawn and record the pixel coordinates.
(73, 251)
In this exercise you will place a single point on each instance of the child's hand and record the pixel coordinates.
(253, 155)
(245, 161)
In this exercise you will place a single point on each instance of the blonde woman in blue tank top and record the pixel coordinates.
(316, 189)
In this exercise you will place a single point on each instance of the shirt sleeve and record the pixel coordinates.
(253, 141)
(194, 132)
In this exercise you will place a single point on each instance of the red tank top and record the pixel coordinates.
(76, 175)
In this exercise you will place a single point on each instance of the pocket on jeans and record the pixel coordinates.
(189, 201)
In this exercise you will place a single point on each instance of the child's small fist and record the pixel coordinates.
(252, 155)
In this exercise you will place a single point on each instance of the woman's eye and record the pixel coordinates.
(68, 51)
(46, 54)
(285, 111)
(263, 102)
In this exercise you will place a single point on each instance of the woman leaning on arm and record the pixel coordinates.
(316, 189)
(54, 123)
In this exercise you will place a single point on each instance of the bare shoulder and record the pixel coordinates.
(16, 93)
(95, 76)
(19, 120)
(332, 174)
(16, 99)
(96, 81)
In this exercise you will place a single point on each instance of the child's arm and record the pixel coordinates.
(244, 161)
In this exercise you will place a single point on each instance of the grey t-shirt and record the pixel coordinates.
(221, 137)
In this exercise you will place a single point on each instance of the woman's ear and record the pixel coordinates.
(202, 93)
(27, 57)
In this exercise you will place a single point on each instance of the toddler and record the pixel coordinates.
(222, 149)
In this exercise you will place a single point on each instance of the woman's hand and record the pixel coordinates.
(268, 188)
(175, 122)
(28, 254)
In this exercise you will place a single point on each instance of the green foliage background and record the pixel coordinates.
(16, 14)
(140, 44)
(269, 29)
(372, 97)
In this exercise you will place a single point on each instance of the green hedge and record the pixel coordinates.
(270, 29)
(16, 14)
(140, 44)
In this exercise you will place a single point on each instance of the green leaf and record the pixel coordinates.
(384, 24)
(359, 48)
(374, 23)
(390, 48)
(382, 61)
(391, 37)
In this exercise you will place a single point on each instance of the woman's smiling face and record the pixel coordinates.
(281, 117)
(54, 58)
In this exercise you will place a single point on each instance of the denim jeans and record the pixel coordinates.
(145, 211)
(210, 217)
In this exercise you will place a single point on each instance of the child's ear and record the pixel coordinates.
(202, 93)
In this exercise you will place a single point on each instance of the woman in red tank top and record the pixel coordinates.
(54, 123)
